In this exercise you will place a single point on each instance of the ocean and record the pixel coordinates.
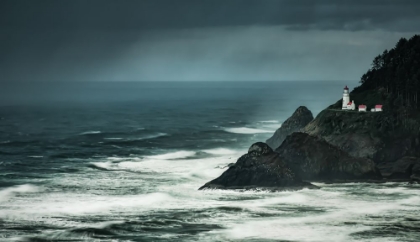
(123, 162)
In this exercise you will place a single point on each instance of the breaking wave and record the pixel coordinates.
(90, 132)
(245, 130)
(270, 121)
(9, 192)
(173, 155)
(220, 151)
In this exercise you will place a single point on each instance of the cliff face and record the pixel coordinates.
(404, 168)
(299, 119)
(359, 134)
(381, 136)
(385, 137)
(312, 158)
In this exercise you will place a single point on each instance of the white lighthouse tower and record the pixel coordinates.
(346, 97)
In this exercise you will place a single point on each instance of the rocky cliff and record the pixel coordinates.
(300, 158)
(299, 119)
(385, 137)
(312, 158)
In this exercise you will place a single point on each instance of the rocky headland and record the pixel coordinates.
(344, 145)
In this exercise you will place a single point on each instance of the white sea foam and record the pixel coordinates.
(152, 136)
(221, 151)
(103, 165)
(173, 155)
(333, 213)
(9, 192)
(90, 132)
(272, 127)
(285, 221)
(80, 204)
(245, 130)
(36, 156)
(178, 164)
(270, 121)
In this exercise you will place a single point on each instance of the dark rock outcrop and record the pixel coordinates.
(299, 119)
(385, 137)
(260, 168)
(359, 134)
(406, 168)
(300, 157)
(312, 158)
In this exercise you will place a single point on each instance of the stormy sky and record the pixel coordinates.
(198, 40)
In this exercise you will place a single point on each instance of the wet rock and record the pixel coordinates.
(406, 168)
(260, 168)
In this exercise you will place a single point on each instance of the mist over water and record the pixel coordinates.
(123, 162)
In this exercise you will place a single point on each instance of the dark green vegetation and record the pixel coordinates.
(396, 73)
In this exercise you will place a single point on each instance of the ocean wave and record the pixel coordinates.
(90, 132)
(173, 155)
(273, 127)
(270, 121)
(72, 204)
(9, 192)
(104, 166)
(129, 140)
(153, 136)
(245, 130)
(220, 151)
(5, 142)
(185, 164)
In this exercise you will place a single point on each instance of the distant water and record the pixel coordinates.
(123, 162)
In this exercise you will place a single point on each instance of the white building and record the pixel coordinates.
(378, 108)
(346, 98)
(351, 105)
(362, 108)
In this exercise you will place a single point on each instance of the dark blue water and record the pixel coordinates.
(123, 162)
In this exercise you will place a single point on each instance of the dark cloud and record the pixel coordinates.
(198, 39)
(163, 14)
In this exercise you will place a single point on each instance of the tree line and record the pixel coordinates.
(396, 72)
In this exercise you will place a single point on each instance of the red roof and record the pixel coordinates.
(346, 88)
(349, 103)
(378, 106)
(362, 106)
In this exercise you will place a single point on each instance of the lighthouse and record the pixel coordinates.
(346, 98)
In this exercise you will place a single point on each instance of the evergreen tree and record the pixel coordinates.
(397, 72)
